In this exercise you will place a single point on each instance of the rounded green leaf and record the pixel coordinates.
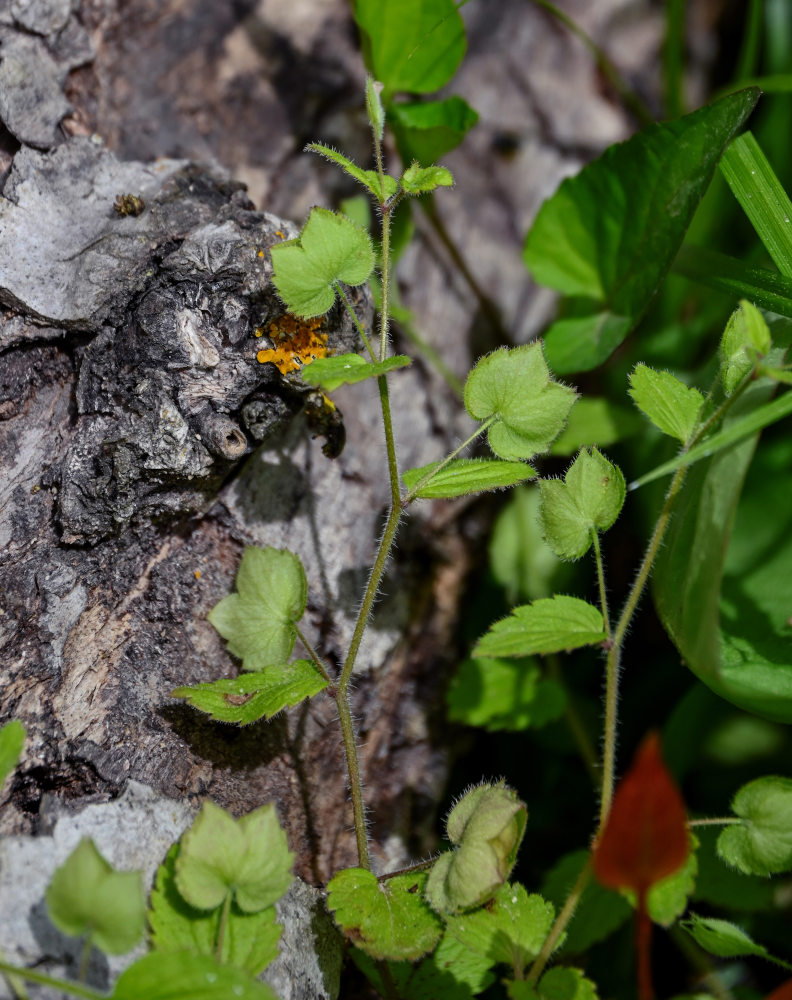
(183, 976)
(330, 248)
(515, 387)
(670, 404)
(761, 843)
(88, 897)
(387, 919)
(549, 625)
(425, 131)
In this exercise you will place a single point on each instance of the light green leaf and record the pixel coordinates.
(721, 938)
(250, 941)
(386, 919)
(426, 131)
(596, 421)
(374, 108)
(183, 976)
(746, 336)
(330, 248)
(589, 499)
(559, 983)
(516, 388)
(510, 930)
(486, 826)
(667, 899)
(467, 475)
(670, 404)
(87, 896)
(418, 180)
(12, 740)
(248, 857)
(761, 843)
(549, 625)
(503, 694)
(411, 45)
(610, 234)
(728, 888)
(251, 697)
(258, 622)
(370, 179)
(346, 369)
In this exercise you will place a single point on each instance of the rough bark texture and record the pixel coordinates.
(143, 446)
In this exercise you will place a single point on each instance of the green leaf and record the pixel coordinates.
(259, 621)
(87, 896)
(370, 179)
(596, 421)
(746, 336)
(374, 108)
(729, 617)
(765, 288)
(609, 234)
(467, 475)
(670, 404)
(515, 387)
(386, 919)
(12, 741)
(549, 625)
(183, 976)
(486, 826)
(503, 694)
(667, 899)
(599, 913)
(726, 887)
(426, 131)
(248, 857)
(250, 941)
(761, 843)
(418, 180)
(510, 930)
(411, 45)
(251, 697)
(721, 938)
(559, 983)
(330, 248)
(346, 369)
(589, 499)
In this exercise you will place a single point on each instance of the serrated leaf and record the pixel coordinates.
(251, 697)
(486, 826)
(330, 248)
(589, 499)
(559, 983)
(746, 336)
(12, 740)
(87, 896)
(386, 919)
(370, 179)
(248, 857)
(425, 131)
(761, 843)
(418, 180)
(346, 369)
(609, 235)
(250, 941)
(514, 386)
(670, 404)
(721, 938)
(467, 475)
(510, 930)
(549, 625)
(162, 976)
(503, 694)
(258, 621)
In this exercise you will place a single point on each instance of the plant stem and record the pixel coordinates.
(65, 985)
(355, 320)
(716, 821)
(559, 926)
(353, 770)
(449, 458)
(85, 955)
(601, 581)
(221, 928)
(314, 656)
(419, 866)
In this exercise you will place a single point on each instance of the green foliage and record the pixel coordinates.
(12, 741)
(87, 896)
(425, 131)
(746, 336)
(259, 621)
(503, 694)
(386, 919)
(339, 237)
(672, 406)
(465, 475)
(667, 899)
(549, 625)
(609, 235)
(182, 976)
(330, 248)
(588, 500)
(347, 369)
(721, 938)
(419, 180)
(247, 858)
(761, 843)
(596, 421)
(559, 983)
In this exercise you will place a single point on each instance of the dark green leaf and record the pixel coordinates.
(467, 475)
(549, 625)
(596, 421)
(766, 289)
(503, 694)
(426, 131)
(346, 369)
(183, 976)
(560, 983)
(610, 234)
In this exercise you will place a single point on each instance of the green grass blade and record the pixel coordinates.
(766, 289)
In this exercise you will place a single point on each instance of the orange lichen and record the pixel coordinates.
(296, 343)
(279, 233)
(197, 574)
(261, 253)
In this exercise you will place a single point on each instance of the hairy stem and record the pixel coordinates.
(449, 458)
(64, 985)
(559, 926)
(221, 928)
(358, 325)
(601, 582)
(314, 656)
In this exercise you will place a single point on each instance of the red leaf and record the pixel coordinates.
(645, 836)
(784, 992)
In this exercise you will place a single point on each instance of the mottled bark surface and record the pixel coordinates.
(143, 446)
